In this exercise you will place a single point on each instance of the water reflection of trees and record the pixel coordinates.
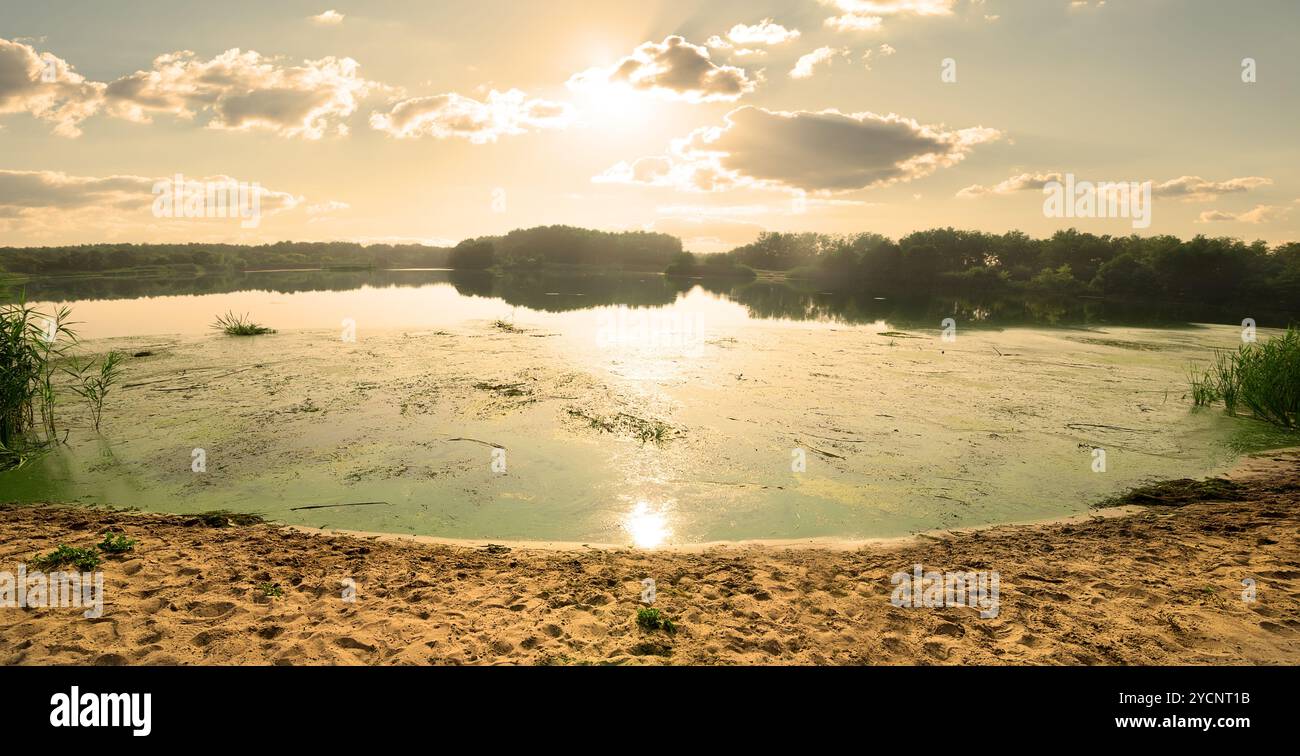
(560, 291)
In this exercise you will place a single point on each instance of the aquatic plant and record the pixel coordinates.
(239, 325)
(93, 387)
(31, 343)
(1261, 378)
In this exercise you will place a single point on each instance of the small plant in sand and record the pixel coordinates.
(239, 325)
(85, 560)
(650, 619)
(1261, 378)
(116, 543)
(94, 386)
(270, 589)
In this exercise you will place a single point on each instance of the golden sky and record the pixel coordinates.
(711, 120)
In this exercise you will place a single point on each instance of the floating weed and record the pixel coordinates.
(638, 427)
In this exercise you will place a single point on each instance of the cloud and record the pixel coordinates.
(328, 18)
(1259, 214)
(807, 64)
(764, 32)
(826, 151)
(1196, 188)
(869, 15)
(325, 208)
(1023, 182)
(55, 202)
(674, 69)
(710, 233)
(1191, 188)
(243, 91)
(65, 101)
(452, 115)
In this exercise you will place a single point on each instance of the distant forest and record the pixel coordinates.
(1069, 263)
(939, 261)
(524, 248)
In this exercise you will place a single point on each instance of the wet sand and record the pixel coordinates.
(1160, 586)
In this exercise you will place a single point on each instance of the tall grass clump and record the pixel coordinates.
(31, 343)
(239, 325)
(1261, 379)
(94, 386)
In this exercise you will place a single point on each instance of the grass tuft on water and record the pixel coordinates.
(239, 325)
(1261, 379)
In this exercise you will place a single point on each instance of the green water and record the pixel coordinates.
(898, 429)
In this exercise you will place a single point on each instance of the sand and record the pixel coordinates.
(1160, 586)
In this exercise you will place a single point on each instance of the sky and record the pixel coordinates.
(710, 120)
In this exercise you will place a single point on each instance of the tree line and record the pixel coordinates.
(1070, 262)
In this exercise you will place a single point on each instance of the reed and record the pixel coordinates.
(1261, 380)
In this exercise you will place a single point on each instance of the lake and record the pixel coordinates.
(625, 408)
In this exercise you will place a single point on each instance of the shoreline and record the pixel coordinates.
(1161, 585)
(822, 543)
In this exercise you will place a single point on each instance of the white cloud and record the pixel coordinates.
(453, 115)
(65, 102)
(54, 202)
(243, 91)
(826, 151)
(1190, 188)
(1195, 188)
(712, 234)
(869, 15)
(325, 208)
(807, 64)
(1022, 182)
(765, 32)
(1259, 214)
(328, 18)
(674, 69)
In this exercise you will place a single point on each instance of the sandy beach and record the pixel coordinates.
(1163, 585)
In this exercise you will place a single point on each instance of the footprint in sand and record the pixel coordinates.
(211, 610)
